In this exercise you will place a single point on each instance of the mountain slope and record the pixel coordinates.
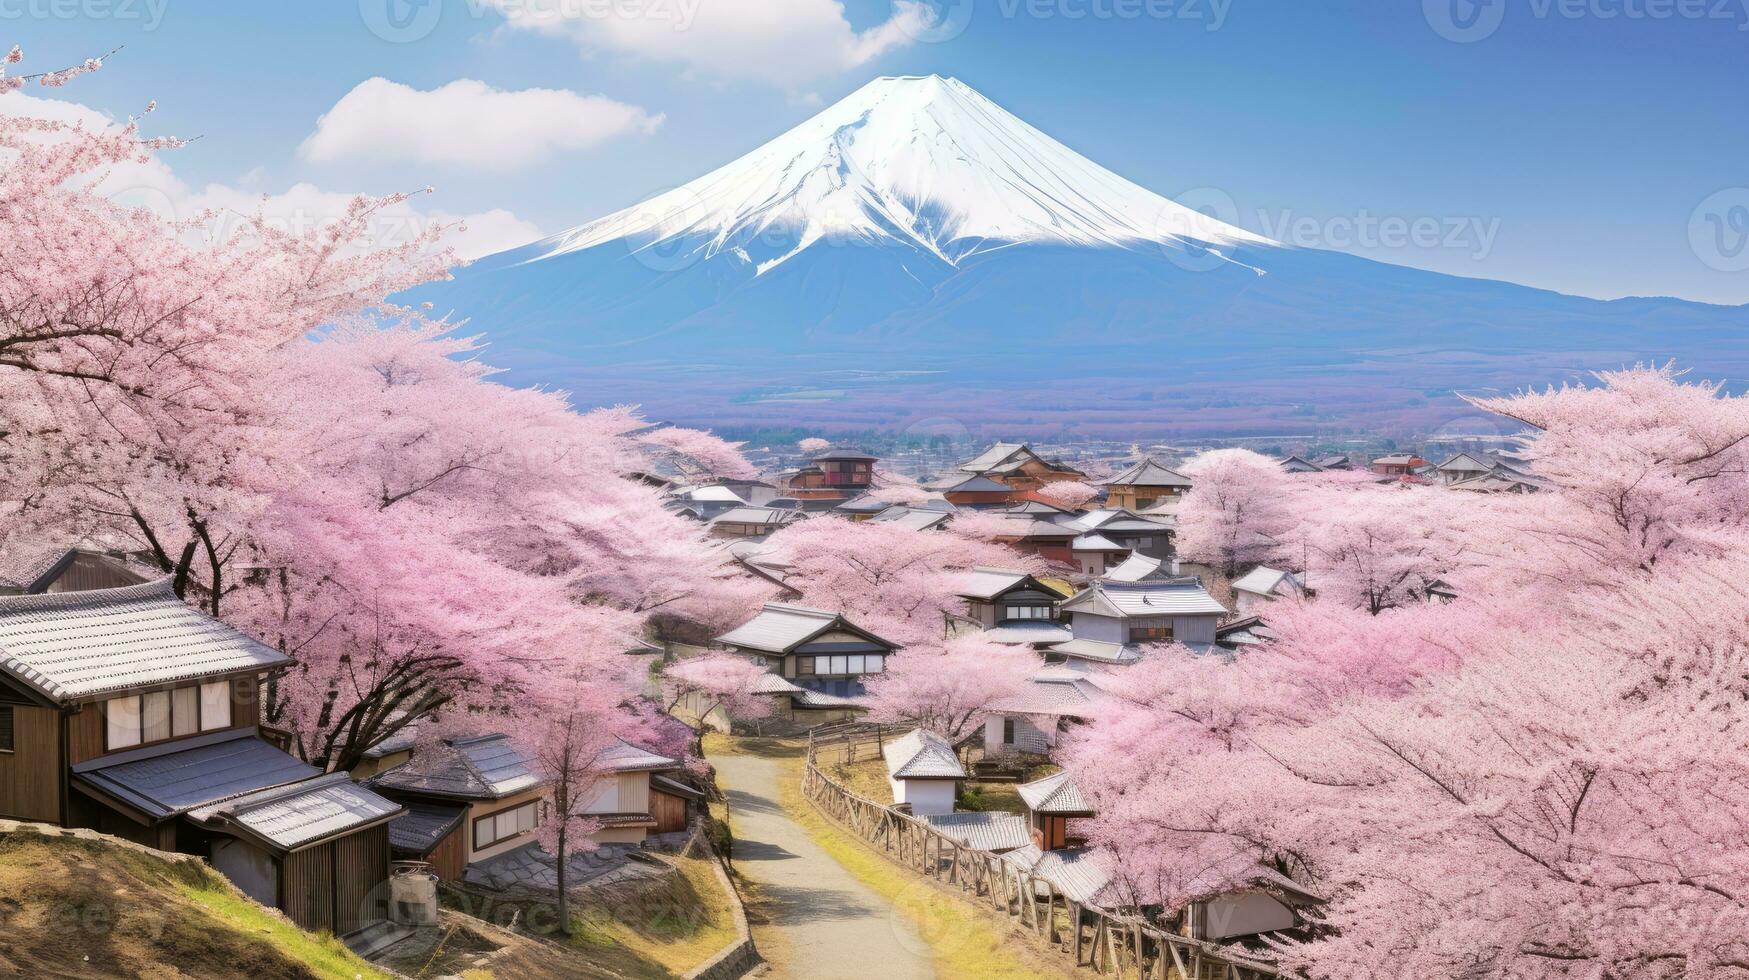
(915, 250)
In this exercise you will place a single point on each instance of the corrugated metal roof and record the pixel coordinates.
(1056, 793)
(1149, 473)
(165, 783)
(922, 754)
(424, 826)
(72, 645)
(303, 813)
(992, 831)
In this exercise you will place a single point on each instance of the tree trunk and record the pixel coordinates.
(564, 899)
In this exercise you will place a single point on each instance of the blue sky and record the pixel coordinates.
(1591, 146)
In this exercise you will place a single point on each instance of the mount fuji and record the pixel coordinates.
(916, 256)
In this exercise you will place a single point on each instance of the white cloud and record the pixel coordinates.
(467, 124)
(784, 42)
(302, 207)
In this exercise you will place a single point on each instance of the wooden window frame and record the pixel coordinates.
(9, 731)
(139, 698)
(474, 830)
(1151, 634)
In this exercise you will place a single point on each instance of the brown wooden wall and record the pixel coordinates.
(86, 729)
(30, 776)
(669, 811)
(361, 866)
(450, 857)
(306, 887)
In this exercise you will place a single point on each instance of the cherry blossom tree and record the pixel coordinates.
(714, 683)
(1235, 514)
(813, 444)
(948, 687)
(900, 583)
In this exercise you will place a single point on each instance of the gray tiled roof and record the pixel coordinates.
(485, 767)
(23, 570)
(72, 645)
(756, 515)
(996, 454)
(922, 754)
(1262, 580)
(781, 626)
(1098, 651)
(979, 484)
(988, 831)
(302, 813)
(1139, 568)
(809, 698)
(626, 757)
(1095, 542)
(984, 582)
(1056, 793)
(1129, 599)
(913, 518)
(164, 783)
(1028, 631)
(424, 826)
(1148, 473)
(1050, 698)
(674, 788)
(1076, 872)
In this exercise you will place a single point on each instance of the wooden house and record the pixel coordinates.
(1031, 721)
(837, 474)
(1144, 485)
(1132, 533)
(1012, 606)
(468, 799)
(127, 711)
(924, 772)
(1018, 468)
(1300, 464)
(1112, 621)
(1050, 804)
(752, 522)
(1398, 464)
(978, 490)
(71, 569)
(632, 799)
(819, 652)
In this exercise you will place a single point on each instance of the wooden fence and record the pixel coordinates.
(1106, 943)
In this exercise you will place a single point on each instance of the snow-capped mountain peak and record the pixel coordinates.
(922, 161)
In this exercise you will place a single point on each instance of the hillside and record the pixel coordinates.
(96, 908)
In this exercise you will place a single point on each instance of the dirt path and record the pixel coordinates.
(824, 923)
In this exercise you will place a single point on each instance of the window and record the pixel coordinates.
(215, 705)
(1029, 612)
(6, 728)
(155, 716)
(804, 666)
(1150, 634)
(505, 824)
(184, 711)
(122, 719)
(1008, 731)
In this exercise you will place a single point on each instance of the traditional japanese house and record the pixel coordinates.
(915, 518)
(1143, 485)
(1047, 539)
(924, 772)
(1131, 532)
(706, 503)
(74, 569)
(1263, 584)
(835, 474)
(482, 792)
(1050, 804)
(861, 508)
(1300, 464)
(1398, 464)
(1004, 597)
(815, 650)
(1112, 621)
(752, 522)
(1031, 721)
(632, 798)
(978, 491)
(127, 711)
(1018, 467)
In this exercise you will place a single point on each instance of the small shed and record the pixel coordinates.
(924, 772)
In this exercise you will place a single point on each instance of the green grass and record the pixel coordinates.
(969, 943)
(323, 954)
(665, 933)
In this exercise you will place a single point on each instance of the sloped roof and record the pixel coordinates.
(862, 504)
(424, 826)
(164, 781)
(1056, 793)
(1095, 542)
(1098, 651)
(626, 757)
(1262, 580)
(1078, 873)
(980, 484)
(293, 816)
(1148, 473)
(1139, 568)
(24, 571)
(74, 645)
(1023, 528)
(780, 627)
(986, 582)
(907, 517)
(1028, 631)
(1037, 507)
(484, 767)
(1179, 597)
(1051, 698)
(983, 831)
(1299, 464)
(807, 697)
(756, 515)
(843, 452)
(995, 455)
(715, 493)
(662, 784)
(922, 754)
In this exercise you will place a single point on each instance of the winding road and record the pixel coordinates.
(823, 924)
